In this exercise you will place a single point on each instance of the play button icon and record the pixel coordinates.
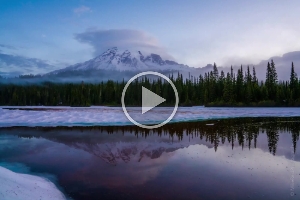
(150, 100)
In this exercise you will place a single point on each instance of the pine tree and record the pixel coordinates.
(215, 72)
(249, 85)
(293, 78)
(248, 75)
(273, 72)
(239, 85)
(268, 75)
(293, 85)
(242, 88)
(274, 81)
(271, 80)
(254, 78)
(227, 92)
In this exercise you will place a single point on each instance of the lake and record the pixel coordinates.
(244, 158)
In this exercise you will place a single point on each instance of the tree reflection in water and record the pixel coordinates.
(208, 159)
(243, 131)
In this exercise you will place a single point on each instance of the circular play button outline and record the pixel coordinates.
(142, 125)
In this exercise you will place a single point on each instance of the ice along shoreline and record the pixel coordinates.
(42, 116)
(19, 186)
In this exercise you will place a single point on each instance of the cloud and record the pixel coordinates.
(124, 39)
(7, 46)
(82, 9)
(11, 65)
(283, 65)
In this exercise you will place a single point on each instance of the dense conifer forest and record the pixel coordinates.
(215, 88)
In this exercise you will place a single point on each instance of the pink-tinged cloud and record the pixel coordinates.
(123, 39)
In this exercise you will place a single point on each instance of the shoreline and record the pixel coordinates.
(19, 186)
(16, 107)
(112, 116)
(206, 122)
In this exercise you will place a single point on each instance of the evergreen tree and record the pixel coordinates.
(215, 72)
(294, 85)
(240, 85)
(254, 78)
(210, 89)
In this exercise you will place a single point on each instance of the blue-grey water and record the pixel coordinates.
(226, 159)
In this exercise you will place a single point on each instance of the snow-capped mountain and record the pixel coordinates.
(114, 153)
(114, 64)
(113, 59)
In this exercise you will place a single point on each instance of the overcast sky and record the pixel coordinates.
(191, 32)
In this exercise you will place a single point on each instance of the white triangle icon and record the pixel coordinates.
(150, 100)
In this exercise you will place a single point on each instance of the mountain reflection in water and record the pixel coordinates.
(229, 159)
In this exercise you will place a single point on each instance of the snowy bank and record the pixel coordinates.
(114, 116)
(14, 186)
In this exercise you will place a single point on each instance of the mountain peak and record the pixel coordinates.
(114, 59)
(152, 58)
(124, 61)
(111, 51)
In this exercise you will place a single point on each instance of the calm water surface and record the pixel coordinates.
(227, 159)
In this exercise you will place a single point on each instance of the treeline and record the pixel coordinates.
(243, 88)
(211, 89)
(240, 132)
